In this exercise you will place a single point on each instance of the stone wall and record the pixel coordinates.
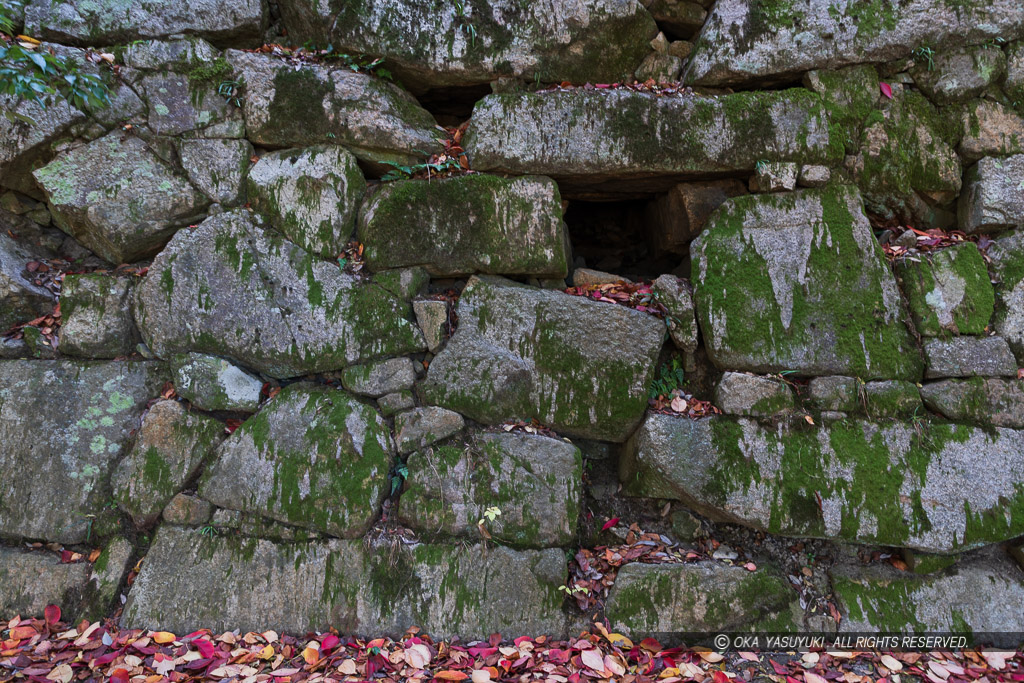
(259, 348)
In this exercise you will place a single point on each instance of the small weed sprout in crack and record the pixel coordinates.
(927, 54)
(465, 24)
(231, 91)
(490, 514)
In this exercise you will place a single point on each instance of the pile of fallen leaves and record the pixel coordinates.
(351, 260)
(49, 651)
(680, 403)
(931, 240)
(635, 295)
(592, 572)
(649, 86)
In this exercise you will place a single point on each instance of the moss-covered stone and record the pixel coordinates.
(956, 75)
(96, 316)
(992, 200)
(405, 283)
(948, 291)
(798, 282)
(985, 402)
(211, 383)
(535, 483)
(892, 399)
(467, 224)
(1006, 255)
(931, 486)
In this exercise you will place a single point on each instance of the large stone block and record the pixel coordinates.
(467, 224)
(989, 401)
(534, 481)
(1006, 255)
(798, 282)
(948, 291)
(934, 487)
(477, 41)
(254, 298)
(314, 457)
(96, 313)
(580, 366)
(192, 581)
(71, 421)
(992, 199)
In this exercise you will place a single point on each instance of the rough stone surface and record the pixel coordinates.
(405, 283)
(276, 309)
(660, 68)
(776, 176)
(186, 510)
(399, 402)
(179, 104)
(75, 435)
(600, 41)
(589, 137)
(311, 195)
(979, 595)
(677, 298)
(699, 597)
(432, 317)
(936, 487)
(969, 357)
(467, 224)
(580, 366)
(422, 427)
(96, 316)
(740, 394)
(948, 291)
(535, 482)
(744, 42)
(170, 448)
(834, 393)
(211, 383)
(991, 401)
(892, 399)
(678, 216)
(814, 175)
(990, 129)
(681, 17)
(959, 74)
(798, 282)
(115, 196)
(991, 199)
(297, 106)
(379, 378)
(21, 300)
(217, 167)
(585, 277)
(192, 581)
(314, 457)
(108, 22)
(1006, 255)
(27, 146)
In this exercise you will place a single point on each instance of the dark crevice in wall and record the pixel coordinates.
(452, 106)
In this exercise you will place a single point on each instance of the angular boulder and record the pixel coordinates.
(179, 104)
(989, 129)
(290, 105)
(989, 401)
(467, 224)
(968, 357)
(86, 23)
(424, 426)
(1006, 254)
(678, 216)
(254, 298)
(311, 195)
(934, 487)
(217, 167)
(798, 282)
(959, 73)
(598, 42)
(536, 482)
(948, 291)
(24, 147)
(699, 597)
(211, 383)
(192, 581)
(580, 366)
(630, 139)
(96, 313)
(757, 42)
(382, 377)
(992, 199)
(738, 393)
(73, 421)
(118, 198)
(170, 448)
(314, 457)
(21, 299)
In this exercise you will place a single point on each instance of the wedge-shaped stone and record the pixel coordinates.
(170, 448)
(746, 42)
(311, 195)
(71, 421)
(935, 487)
(192, 581)
(590, 136)
(313, 457)
(231, 289)
(116, 197)
(979, 596)
(296, 106)
(105, 22)
(992, 199)
(698, 597)
(580, 366)
(467, 224)
(477, 41)
(534, 480)
(989, 401)
(798, 282)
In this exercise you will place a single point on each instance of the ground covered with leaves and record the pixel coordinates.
(48, 650)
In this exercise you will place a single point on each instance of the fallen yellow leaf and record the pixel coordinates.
(163, 637)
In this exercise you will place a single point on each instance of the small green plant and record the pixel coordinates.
(231, 91)
(490, 514)
(402, 172)
(353, 62)
(761, 166)
(30, 72)
(927, 54)
(208, 530)
(399, 477)
(573, 591)
(465, 23)
(669, 378)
